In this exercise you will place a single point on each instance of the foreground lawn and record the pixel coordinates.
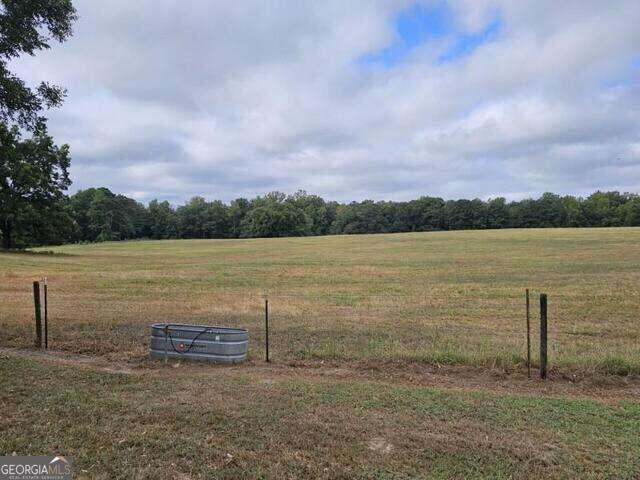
(436, 298)
(256, 422)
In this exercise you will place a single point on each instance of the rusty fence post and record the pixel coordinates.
(543, 336)
(528, 335)
(46, 315)
(36, 304)
(266, 329)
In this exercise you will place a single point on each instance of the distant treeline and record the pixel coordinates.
(97, 214)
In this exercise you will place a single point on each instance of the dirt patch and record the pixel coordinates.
(61, 358)
(118, 371)
(593, 385)
(380, 444)
(603, 388)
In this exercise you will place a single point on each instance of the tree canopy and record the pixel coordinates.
(33, 176)
(27, 26)
(33, 171)
(97, 214)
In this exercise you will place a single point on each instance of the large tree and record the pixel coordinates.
(275, 215)
(33, 177)
(163, 221)
(202, 219)
(27, 26)
(34, 171)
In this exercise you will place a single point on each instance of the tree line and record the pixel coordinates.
(34, 209)
(97, 214)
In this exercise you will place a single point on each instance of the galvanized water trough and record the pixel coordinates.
(199, 342)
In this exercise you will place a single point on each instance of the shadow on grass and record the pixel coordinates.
(46, 253)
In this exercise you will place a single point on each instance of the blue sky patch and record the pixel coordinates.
(626, 76)
(465, 44)
(420, 24)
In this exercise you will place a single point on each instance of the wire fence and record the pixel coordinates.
(323, 325)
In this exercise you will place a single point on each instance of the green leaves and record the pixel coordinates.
(33, 172)
(33, 176)
(27, 26)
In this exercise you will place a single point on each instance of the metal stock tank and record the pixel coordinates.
(199, 342)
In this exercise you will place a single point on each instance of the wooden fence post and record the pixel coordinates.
(36, 304)
(543, 336)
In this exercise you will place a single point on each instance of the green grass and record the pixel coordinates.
(442, 297)
(194, 422)
(358, 326)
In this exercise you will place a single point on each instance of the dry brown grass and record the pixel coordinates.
(396, 356)
(273, 421)
(435, 298)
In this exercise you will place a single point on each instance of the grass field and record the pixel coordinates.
(395, 356)
(277, 422)
(428, 297)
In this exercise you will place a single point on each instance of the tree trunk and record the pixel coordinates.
(7, 227)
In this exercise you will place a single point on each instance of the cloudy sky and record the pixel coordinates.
(349, 99)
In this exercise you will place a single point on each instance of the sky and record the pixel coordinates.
(351, 100)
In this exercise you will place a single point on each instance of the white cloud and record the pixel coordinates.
(227, 98)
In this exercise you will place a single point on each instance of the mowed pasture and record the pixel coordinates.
(438, 298)
(394, 356)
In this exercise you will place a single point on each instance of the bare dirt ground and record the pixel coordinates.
(594, 385)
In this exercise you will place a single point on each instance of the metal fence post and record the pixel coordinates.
(266, 329)
(528, 336)
(543, 336)
(46, 316)
(36, 304)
